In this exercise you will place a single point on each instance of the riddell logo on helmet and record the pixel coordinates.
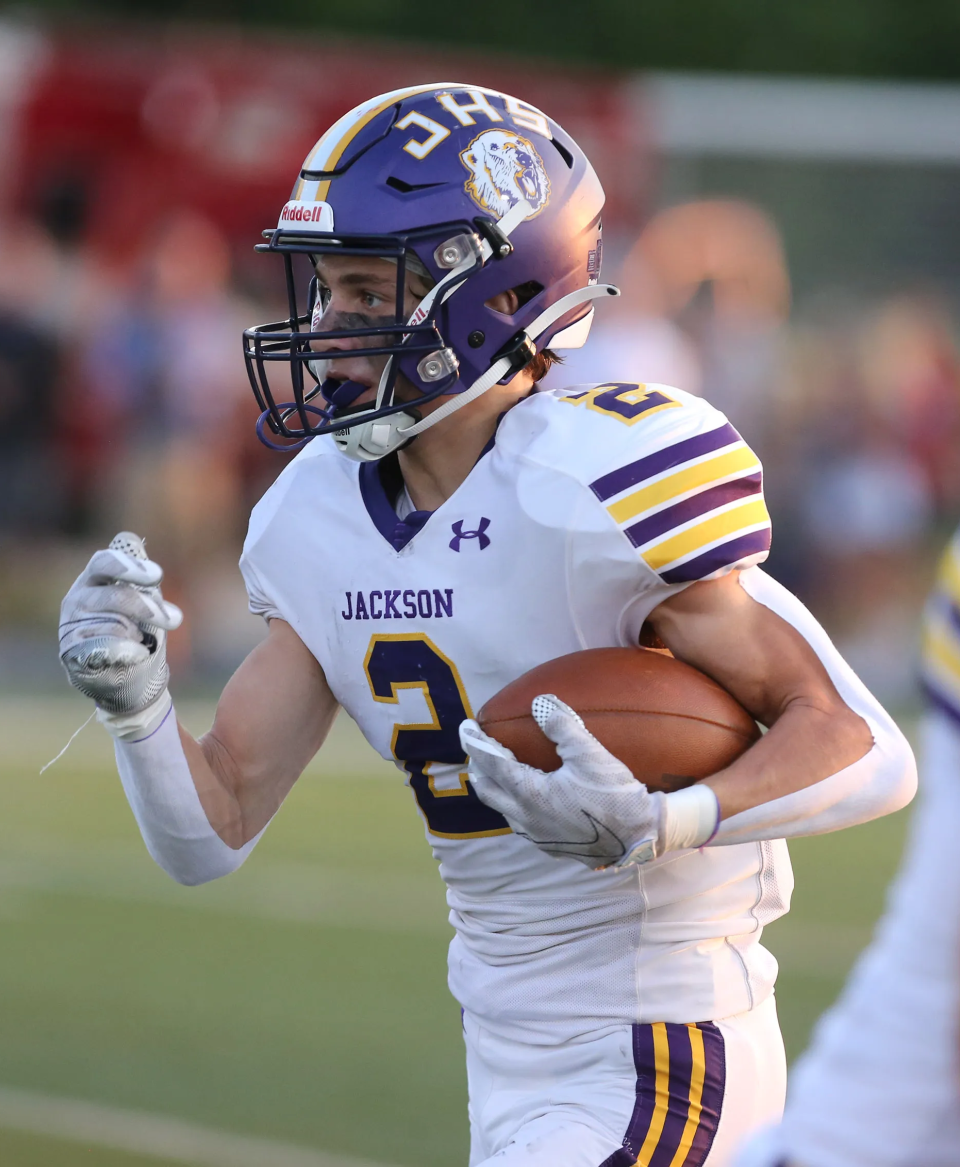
(298, 216)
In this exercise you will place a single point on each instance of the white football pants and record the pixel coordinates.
(661, 1095)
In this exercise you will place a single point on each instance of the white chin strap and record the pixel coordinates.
(371, 440)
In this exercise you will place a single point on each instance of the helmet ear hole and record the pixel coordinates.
(509, 302)
(525, 292)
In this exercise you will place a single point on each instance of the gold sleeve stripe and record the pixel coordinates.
(941, 653)
(732, 462)
(949, 578)
(945, 688)
(718, 527)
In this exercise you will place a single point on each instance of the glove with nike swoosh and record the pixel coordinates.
(592, 809)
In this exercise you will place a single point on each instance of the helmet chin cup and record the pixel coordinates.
(369, 441)
(343, 394)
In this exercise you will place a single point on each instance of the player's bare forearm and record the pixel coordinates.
(808, 743)
(775, 674)
(272, 718)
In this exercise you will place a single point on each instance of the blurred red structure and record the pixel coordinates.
(135, 123)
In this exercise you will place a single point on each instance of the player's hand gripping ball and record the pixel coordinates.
(625, 726)
(590, 809)
(113, 626)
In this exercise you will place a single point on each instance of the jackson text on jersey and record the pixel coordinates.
(398, 604)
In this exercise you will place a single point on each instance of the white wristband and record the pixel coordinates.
(130, 727)
(690, 817)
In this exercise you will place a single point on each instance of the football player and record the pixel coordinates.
(880, 1084)
(445, 529)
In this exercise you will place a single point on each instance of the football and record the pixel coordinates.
(668, 722)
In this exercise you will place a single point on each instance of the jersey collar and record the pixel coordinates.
(380, 485)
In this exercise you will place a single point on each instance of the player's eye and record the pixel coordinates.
(370, 299)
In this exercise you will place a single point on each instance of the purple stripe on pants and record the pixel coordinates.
(711, 1101)
(646, 1067)
(692, 508)
(678, 1104)
(717, 557)
(634, 472)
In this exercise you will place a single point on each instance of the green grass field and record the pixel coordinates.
(302, 999)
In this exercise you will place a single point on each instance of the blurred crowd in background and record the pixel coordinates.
(127, 275)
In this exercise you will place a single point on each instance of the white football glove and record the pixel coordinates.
(592, 809)
(113, 626)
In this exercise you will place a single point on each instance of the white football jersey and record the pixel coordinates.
(589, 508)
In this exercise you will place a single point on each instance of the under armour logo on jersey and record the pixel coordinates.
(480, 534)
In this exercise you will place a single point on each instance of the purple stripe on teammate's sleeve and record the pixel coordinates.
(711, 1100)
(692, 508)
(718, 557)
(953, 614)
(939, 700)
(610, 484)
(678, 1102)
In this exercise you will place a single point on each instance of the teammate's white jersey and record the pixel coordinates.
(940, 663)
(588, 510)
(878, 1085)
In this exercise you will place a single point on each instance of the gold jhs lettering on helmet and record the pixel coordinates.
(526, 116)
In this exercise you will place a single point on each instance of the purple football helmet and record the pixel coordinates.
(486, 194)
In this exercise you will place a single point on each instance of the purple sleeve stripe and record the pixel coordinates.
(953, 614)
(626, 476)
(754, 543)
(939, 700)
(691, 508)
